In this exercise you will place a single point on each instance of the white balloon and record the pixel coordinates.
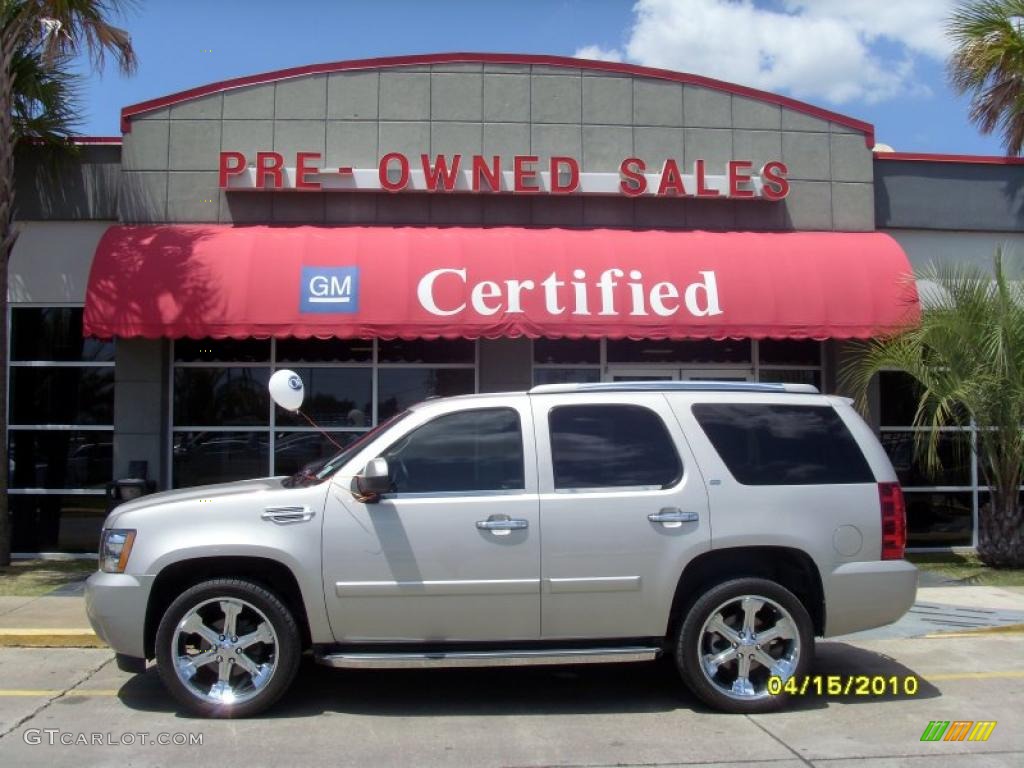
(287, 390)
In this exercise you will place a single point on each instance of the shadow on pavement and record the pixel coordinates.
(589, 689)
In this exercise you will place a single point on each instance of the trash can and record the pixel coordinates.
(128, 488)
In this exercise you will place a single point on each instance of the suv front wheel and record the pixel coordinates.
(227, 648)
(737, 636)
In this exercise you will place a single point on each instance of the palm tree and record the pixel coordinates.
(967, 358)
(988, 64)
(38, 39)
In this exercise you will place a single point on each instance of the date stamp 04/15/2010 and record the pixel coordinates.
(845, 685)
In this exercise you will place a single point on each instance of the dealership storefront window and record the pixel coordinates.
(941, 508)
(224, 426)
(560, 361)
(61, 416)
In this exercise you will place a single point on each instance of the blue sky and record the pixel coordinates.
(879, 61)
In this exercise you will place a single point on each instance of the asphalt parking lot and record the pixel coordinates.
(557, 716)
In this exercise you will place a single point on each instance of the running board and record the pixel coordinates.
(516, 658)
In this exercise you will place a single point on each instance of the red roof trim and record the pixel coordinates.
(496, 58)
(928, 157)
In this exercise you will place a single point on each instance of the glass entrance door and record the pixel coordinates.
(636, 373)
(672, 373)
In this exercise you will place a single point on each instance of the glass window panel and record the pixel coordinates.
(294, 450)
(335, 397)
(438, 351)
(790, 352)
(398, 388)
(62, 395)
(54, 523)
(54, 333)
(954, 451)
(665, 351)
(566, 375)
(201, 458)
(938, 519)
(790, 376)
(60, 459)
(480, 450)
(603, 446)
(567, 351)
(783, 444)
(221, 396)
(899, 393)
(222, 350)
(324, 351)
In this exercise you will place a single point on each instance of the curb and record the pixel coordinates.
(1006, 629)
(50, 638)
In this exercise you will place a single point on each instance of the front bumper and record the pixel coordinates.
(116, 606)
(866, 595)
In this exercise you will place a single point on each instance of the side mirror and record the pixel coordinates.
(372, 481)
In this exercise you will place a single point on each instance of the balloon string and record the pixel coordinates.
(318, 428)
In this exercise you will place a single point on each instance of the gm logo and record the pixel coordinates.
(330, 289)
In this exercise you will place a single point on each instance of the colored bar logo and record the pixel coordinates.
(330, 289)
(958, 730)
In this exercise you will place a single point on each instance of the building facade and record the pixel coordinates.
(400, 228)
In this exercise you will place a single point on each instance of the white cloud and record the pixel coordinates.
(836, 50)
(598, 53)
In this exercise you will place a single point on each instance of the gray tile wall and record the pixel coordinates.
(598, 118)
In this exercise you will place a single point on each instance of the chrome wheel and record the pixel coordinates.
(745, 641)
(225, 650)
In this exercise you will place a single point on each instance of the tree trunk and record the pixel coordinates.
(1001, 532)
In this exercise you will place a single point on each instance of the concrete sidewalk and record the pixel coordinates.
(59, 620)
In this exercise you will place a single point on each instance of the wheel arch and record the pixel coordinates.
(178, 576)
(792, 568)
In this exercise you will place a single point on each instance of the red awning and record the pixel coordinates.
(224, 281)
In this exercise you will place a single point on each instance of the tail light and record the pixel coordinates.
(894, 521)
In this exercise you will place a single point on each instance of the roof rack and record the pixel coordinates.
(676, 386)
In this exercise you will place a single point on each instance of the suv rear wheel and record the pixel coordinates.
(737, 636)
(227, 648)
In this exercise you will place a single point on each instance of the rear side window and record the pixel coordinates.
(606, 446)
(783, 444)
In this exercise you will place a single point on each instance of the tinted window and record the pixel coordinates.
(603, 446)
(783, 444)
(479, 450)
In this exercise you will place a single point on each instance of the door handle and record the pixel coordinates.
(672, 517)
(287, 515)
(502, 527)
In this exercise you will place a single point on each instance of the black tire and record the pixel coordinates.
(286, 652)
(689, 648)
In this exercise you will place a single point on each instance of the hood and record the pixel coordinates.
(194, 493)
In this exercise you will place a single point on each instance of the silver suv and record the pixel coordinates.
(725, 525)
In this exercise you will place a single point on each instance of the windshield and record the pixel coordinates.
(319, 471)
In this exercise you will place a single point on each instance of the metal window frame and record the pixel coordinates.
(271, 427)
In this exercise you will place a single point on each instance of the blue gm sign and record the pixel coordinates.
(329, 289)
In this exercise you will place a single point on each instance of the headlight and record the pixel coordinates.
(115, 546)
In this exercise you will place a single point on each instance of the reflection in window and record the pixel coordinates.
(566, 375)
(221, 396)
(201, 458)
(603, 446)
(938, 519)
(60, 459)
(54, 333)
(479, 450)
(954, 453)
(399, 388)
(294, 450)
(60, 395)
(335, 397)
(56, 523)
